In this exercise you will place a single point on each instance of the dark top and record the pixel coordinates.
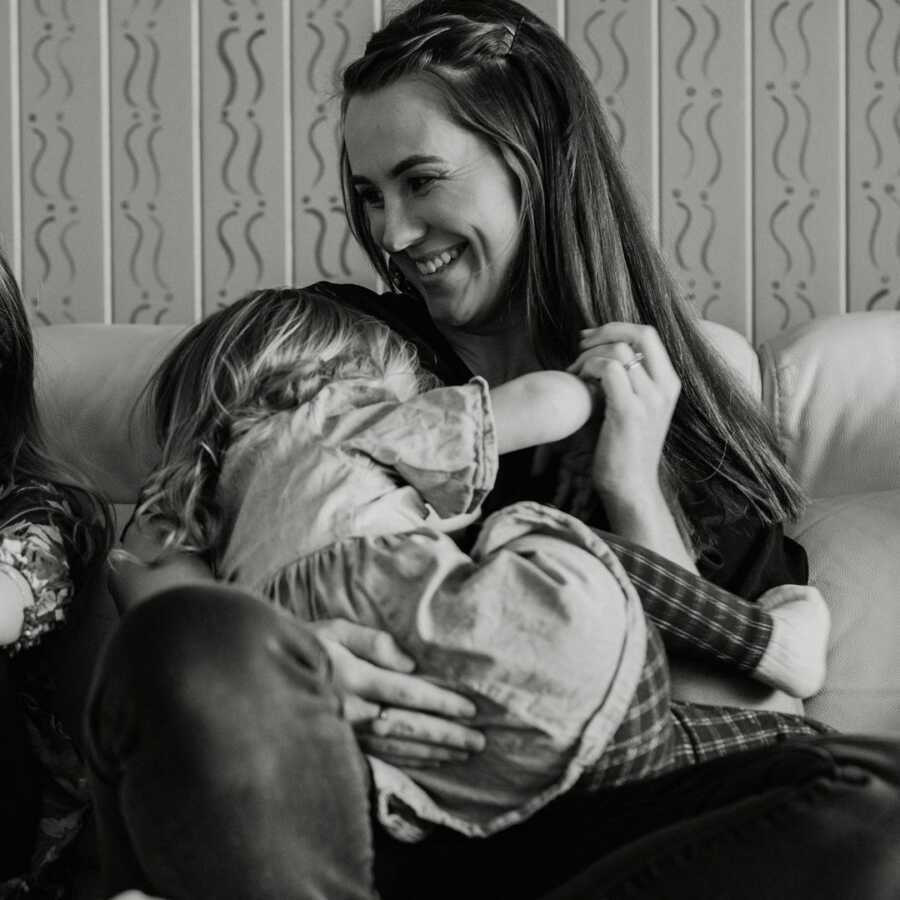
(748, 556)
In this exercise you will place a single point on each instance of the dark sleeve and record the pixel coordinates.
(749, 557)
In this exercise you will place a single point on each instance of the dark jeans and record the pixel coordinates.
(19, 780)
(222, 769)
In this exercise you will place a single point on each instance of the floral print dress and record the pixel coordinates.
(34, 554)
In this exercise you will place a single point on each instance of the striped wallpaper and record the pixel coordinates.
(160, 157)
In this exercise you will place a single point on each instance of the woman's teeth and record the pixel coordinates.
(436, 263)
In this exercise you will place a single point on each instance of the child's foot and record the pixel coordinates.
(795, 658)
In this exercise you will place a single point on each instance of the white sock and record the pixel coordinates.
(794, 661)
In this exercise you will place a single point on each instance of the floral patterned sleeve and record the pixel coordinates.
(36, 552)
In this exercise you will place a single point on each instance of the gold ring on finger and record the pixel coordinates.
(635, 360)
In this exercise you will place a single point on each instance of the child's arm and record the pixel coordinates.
(780, 640)
(35, 583)
(142, 567)
(15, 595)
(539, 408)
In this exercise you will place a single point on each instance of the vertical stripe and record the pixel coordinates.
(15, 119)
(288, 110)
(656, 124)
(749, 163)
(105, 165)
(196, 161)
(843, 163)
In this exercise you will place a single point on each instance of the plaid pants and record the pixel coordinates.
(693, 617)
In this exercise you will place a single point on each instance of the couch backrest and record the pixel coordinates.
(89, 378)
(833, 386)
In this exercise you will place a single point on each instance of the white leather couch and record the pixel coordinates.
(833, 387)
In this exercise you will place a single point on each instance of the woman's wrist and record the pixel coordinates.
(643, 516)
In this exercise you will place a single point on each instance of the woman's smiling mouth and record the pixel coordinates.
(439, 262)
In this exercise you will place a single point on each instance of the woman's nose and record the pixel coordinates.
(400, 228)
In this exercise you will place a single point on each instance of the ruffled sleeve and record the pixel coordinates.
(36, 552)
(442, 442)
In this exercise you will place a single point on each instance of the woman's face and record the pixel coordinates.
(439, 199)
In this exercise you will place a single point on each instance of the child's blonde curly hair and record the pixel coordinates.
(272, 350)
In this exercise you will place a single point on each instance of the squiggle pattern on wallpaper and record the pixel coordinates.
(790, 222)
(143, 235)
(322, 225)
(240, 48)
(697, 154)
(601, 34)
(48, 162)
(881, 128)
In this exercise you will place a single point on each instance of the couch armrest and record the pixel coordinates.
(833, 386)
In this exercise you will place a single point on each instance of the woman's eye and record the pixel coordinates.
(370, 197)
(421, 182)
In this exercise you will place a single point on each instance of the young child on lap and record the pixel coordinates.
(309, 458)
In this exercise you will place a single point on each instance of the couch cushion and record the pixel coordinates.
(89, 378)
(854, 560)
(833, 386)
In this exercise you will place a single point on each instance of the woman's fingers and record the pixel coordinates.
(409, 753)
(361, 656)
(628, 338)
(371, 644)
(395, 724)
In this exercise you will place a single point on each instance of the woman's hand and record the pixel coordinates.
(640, 388)
(399, 717)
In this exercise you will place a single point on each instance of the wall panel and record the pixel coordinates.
(611, 40)
(799, 171)
(61, 160)
(873, 145)
(151, 124)
(704, 153)
(243, 78)
(171, 154)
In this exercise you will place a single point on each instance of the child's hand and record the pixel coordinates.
(15, 596)
(795, 658)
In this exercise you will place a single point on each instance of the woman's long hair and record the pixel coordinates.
(586, 256)
(26, 469)
(272, 350)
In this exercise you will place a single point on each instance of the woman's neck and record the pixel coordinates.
(497, 356)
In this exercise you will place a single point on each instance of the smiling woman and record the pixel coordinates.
(481, 179)
(439, 199)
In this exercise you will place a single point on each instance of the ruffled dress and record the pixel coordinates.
(34, 556)
(342, 508)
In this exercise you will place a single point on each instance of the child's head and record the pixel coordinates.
(271, 350)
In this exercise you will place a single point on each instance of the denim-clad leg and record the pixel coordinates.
(812, 819)
(220, 764)
(19, 781)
